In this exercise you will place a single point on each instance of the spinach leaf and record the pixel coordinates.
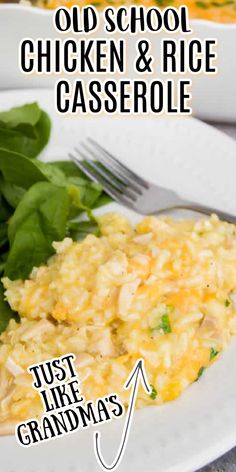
(39, 219)
(19, 170)
(39, 202)
(89, 191)
(25, 129)
(70, 169)
(22, 117)
(80, 229)
(103, 200)
(33, 147)
(30, 248)
(2, 266)
(12, 193)
(3, 234)
(45, 198)
(5, 210)
(53, 175)
(3, 258)
(6, 313)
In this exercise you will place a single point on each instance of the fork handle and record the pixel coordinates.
(207, 210)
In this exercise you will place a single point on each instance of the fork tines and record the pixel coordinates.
(102, 167)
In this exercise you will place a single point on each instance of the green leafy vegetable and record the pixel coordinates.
(2, 266)
(22, 117)
(12, 193)
(52, 174)
(80, 229)
(3, 258)
(103, 200)
(19, 170)
(25, 129)
(91, 193)
(69, 169)
(202, 5)
(6, 312)
(153, 393)
(3, 234)
(39, 219)
(39, 202)
(213, 353)
(5, 210)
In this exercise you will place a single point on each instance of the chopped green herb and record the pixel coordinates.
(165, 324)
(202, 5)
(213, 353)
(163, 3)
(153, 393)
(227, 303)
(200, 372)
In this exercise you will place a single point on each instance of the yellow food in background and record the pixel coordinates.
(222, 11)
(163, 291)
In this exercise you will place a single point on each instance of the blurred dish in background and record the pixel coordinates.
(222, 11)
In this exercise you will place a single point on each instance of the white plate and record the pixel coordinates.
(185, 434)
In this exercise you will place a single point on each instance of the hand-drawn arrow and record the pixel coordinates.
(136, 376)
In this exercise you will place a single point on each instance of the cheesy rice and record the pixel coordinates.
(164, 291)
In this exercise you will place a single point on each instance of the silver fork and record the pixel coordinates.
(128, 188)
